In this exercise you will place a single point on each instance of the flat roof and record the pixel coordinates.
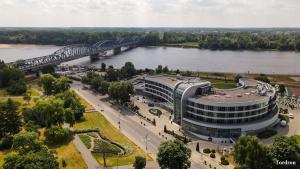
(173, 80)
(167, 80)
(252, 90)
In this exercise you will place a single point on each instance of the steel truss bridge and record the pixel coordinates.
(73, 52)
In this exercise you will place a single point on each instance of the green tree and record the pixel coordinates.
(96, 83)
(104, 87)
(72, 101)
(29, 153)
(237, 78)
(263, 78)
(281, 89)
(128, 70)
(10, 122)
(61, 85)
(70, 117)
(285, 148)
(56, 134)
(165, 69)
(9, 75)
(103, 66)
(47, 82)
(24, 142)
(297, 45)
(111, 74)
(46, 112)
(17, 88)
(33, 160)
(159, 69)
(27, 98)
(246, 151)
(139, 163)
(173, 155)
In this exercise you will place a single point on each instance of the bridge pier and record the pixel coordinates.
(117, 50)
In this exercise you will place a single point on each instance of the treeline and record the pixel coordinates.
(237, 40)
(247, 40)
(46, 37)
(113, 82)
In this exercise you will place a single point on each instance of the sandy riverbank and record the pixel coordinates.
(10, 46)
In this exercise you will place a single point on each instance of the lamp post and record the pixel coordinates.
(119, 122)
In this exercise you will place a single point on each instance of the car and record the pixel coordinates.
(291, 115)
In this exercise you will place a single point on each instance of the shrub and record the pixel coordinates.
(86, 140)
(212, 155)
(154, 122)
(64, 163)
(224, 161)
(6, 143)
(139, 163)
(206, 150)
(56, 134)
(17, 88)
(284, 117)
(213, 151)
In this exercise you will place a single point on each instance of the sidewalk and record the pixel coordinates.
(86, 154)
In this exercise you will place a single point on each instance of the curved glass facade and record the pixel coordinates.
(206, 117)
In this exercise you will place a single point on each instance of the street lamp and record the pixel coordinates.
(119, 120)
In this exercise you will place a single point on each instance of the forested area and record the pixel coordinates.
(60, 37)
(237, 40)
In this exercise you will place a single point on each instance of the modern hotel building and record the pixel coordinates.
(215, 114)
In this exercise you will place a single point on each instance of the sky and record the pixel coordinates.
(150, 13)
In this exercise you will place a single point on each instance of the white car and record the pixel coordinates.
(291, 115)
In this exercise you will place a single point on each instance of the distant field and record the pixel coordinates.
(97, 120)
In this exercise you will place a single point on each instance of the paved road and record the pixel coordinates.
(130, 124)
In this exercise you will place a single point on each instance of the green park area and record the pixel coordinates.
(66, 154)
(221, 83)
(97, 120)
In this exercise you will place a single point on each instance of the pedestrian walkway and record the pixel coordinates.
(86, 154)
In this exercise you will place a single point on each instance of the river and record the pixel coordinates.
(269, 62)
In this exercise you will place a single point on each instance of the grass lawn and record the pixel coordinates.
(32, 92)
(221, 84)
(230, 159)
(86, 140)
(297, 138)
(84, 102)
(97, 120)
(3, 93)
(69, 153)
(2, 156)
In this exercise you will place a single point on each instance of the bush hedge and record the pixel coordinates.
(206, 150)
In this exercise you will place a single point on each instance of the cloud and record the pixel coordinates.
(204, 13)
